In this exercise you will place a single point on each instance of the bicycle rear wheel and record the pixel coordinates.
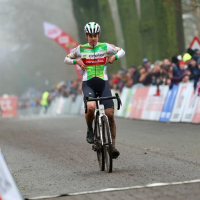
(107, 146)
(98, 144)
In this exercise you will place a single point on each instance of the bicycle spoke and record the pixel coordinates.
(107, 147)
(98, 146)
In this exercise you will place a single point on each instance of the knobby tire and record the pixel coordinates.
(100, 152)
(107, 147)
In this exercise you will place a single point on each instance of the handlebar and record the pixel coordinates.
(100, 99)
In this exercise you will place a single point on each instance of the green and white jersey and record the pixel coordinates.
(94, 58)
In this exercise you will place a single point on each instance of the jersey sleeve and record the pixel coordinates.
(70, 58)
(117, 51)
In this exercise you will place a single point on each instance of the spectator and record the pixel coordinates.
(62, 92)
(195, 54)
(183, 74)
(44, 101)
(145, 76)
(175, 61)
(129, 82)
(146, 64)
(135, 74)
(187, 58)
(122, 79)
(194, 71)
(166, 64)
(74, 89)
(114, 81)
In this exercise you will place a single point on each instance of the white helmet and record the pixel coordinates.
(92, 28)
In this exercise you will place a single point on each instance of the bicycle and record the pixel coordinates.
(102, 135)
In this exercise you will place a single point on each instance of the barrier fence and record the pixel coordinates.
(178, 104)
(8, 106)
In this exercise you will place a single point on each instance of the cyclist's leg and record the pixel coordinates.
(89, 116)
(110, 114)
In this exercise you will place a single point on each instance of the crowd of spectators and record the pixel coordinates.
(182, 68)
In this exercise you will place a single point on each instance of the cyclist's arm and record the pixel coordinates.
(70, 59)
(117, 51)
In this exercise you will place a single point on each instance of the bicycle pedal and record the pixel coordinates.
(94, 148)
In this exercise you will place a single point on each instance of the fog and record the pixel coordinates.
(27, 57)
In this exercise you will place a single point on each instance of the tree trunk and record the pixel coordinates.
(179, 26)
(148, 31)
(166, 28)
(129, 21)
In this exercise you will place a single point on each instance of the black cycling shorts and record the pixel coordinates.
(97, 87)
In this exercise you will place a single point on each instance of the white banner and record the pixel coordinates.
(190, 106)
(60, 105)
(8, 188)
(196, 116)
(129, 101)
(123, 98)
(154, 104)
(181, 100)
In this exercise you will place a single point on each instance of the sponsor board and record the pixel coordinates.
(169, 104)
(130, 97)
(154, 104)
(60, 105)
(92, 55)
(180, 102)
(190, 106)
(128, 102)
(8, 188)
(96, 61)
(139, 102)
(196, 116)
(8, 106)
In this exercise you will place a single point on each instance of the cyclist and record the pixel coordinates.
(92, 58)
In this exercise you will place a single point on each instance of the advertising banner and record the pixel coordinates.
(196, 116)
(127, 110)
(8, 188)
(169, 104)
(63, 39)
(154, 104)
(139, 102)
(8, 106)
(190, 106)
(130, 97)
(60, 105)
(180, 103)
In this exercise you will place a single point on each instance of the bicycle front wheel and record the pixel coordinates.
(107, 145)
(98, 146)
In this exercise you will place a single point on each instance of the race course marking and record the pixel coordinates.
(117, 189)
